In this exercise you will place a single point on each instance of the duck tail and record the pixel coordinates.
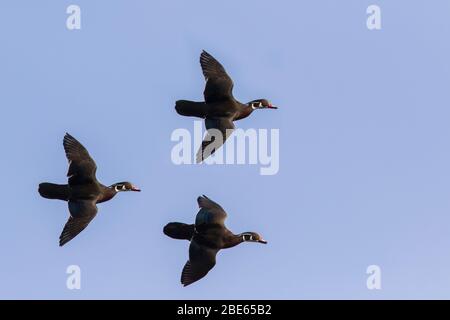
(191, 108)
(54, 191)
(180, 231)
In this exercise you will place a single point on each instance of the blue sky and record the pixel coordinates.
(364, 146)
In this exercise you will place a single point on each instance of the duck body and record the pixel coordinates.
(220, 108)
(213, 237)
(207, 237)
(230, 109)
(93, 191)
(217, 238)
(96, 191)
(83, 192)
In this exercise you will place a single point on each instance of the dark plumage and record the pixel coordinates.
(207, 236)
(220, 108)
(83, 191)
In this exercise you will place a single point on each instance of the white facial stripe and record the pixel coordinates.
(119, 188)
(247, 237)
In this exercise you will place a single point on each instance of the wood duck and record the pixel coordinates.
(83, 191)
(220, 108)
(207, 236)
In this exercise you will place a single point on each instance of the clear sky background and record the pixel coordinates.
(364, 125)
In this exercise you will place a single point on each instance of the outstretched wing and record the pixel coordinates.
(219, 129)
(81, 214)
(211, 213)
(82, 168)
(201, 260)
(219, 85)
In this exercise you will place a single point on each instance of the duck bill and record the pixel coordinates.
(134, 188)
(272, 107)
(262, 241)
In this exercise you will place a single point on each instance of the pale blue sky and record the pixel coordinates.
(364, 124)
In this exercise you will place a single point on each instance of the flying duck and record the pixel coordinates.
(207, 236)
(83, 191)
(220, 108)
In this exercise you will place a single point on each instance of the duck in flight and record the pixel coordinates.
(207, 236)
(83, 191)
(220, 108)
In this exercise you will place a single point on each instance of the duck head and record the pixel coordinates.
(124, 186)
(252, 237)
(261, 104)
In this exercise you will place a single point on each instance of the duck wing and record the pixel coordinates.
(211, 213)
(82, 167)
(81, 214)
(217, 127)
(201, 260)
(219, 85)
